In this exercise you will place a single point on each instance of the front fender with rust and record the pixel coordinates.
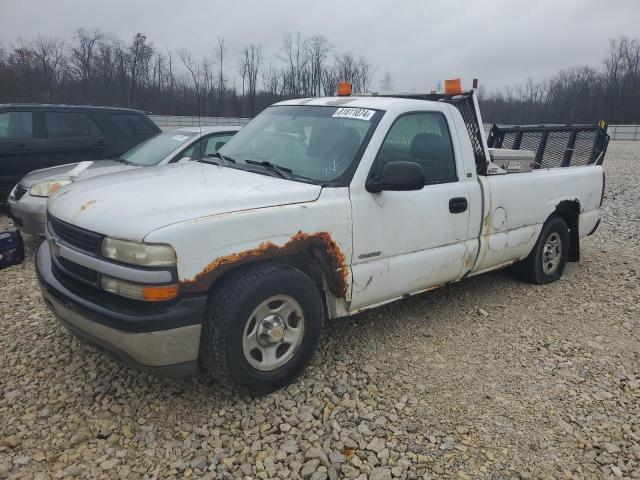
(208, 247)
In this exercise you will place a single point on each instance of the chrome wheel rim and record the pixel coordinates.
(551, 254)
(273, 332)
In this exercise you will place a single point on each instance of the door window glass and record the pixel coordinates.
(70, 124)
(215, 142)
(194, 152)
(423, 138)
(16, 125)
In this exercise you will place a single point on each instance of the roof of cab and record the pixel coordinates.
(375, 102)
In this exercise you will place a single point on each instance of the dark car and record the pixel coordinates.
(39, 136)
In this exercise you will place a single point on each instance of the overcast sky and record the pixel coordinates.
(502, 42)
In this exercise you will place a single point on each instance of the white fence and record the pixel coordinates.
(167, 122)
(624, 132)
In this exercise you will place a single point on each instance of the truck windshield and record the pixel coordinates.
(315, 143)
(156, 149)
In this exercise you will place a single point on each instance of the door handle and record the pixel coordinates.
(23, 146)
(101, 144)
(458, 205)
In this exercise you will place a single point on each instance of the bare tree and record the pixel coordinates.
(140, 55)
(82, 58)
(251, 61)
(317, 50)
(386, 84)
(49, 54)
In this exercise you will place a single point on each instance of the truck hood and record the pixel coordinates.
(131, 204)
(98, 167)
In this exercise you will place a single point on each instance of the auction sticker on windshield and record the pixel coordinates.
(357, 113)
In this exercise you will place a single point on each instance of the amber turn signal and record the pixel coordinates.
(159, 294)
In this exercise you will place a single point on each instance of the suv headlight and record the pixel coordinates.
(45, 189)
(142, 254)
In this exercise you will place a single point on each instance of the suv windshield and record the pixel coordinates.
(156, 149)
(315, 143)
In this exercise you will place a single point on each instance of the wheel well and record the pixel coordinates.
(303, 261)
(569, 211)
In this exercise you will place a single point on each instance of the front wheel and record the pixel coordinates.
(546, 262)
(263, 328)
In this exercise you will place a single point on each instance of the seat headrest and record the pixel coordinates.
(427, 146)
(331, 139)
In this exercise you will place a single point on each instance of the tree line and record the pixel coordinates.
(575, 95)
(99, 68)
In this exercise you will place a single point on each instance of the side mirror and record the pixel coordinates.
(184, 159)
(398, 176)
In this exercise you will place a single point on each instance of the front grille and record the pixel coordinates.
(75, 236)
(79, 271)
(19, 192)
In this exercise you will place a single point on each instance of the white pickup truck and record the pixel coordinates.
(318, 208)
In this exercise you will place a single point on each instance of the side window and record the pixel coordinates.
(70, 124)
(215, 142)
(16, 125)
(194, 152)
(421, 137)
(133, 124)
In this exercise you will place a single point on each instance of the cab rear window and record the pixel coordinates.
(133, 124)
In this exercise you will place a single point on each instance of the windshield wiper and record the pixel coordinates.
(122, 160)
(226, 160)
(284, 172)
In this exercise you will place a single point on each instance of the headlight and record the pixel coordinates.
(143, 254)
(45, 189)
(150, 293)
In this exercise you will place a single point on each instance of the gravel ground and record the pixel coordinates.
(489, 378)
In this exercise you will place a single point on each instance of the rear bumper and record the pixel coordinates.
(170, 349)
(29, 214)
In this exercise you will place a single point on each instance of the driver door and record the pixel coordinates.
(408, 241)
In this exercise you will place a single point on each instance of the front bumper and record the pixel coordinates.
(29, 213)
(164, 341)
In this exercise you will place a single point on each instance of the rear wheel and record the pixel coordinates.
(546, 262)
(263, 328)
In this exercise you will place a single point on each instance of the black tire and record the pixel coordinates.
(232, 303)
(532, 268)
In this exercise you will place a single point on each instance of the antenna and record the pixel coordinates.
(199, 120)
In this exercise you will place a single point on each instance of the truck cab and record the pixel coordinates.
(318, 208)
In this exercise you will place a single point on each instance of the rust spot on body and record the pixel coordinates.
(87, 205)
(319, 246)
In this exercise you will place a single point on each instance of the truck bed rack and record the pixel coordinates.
(554, 145)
